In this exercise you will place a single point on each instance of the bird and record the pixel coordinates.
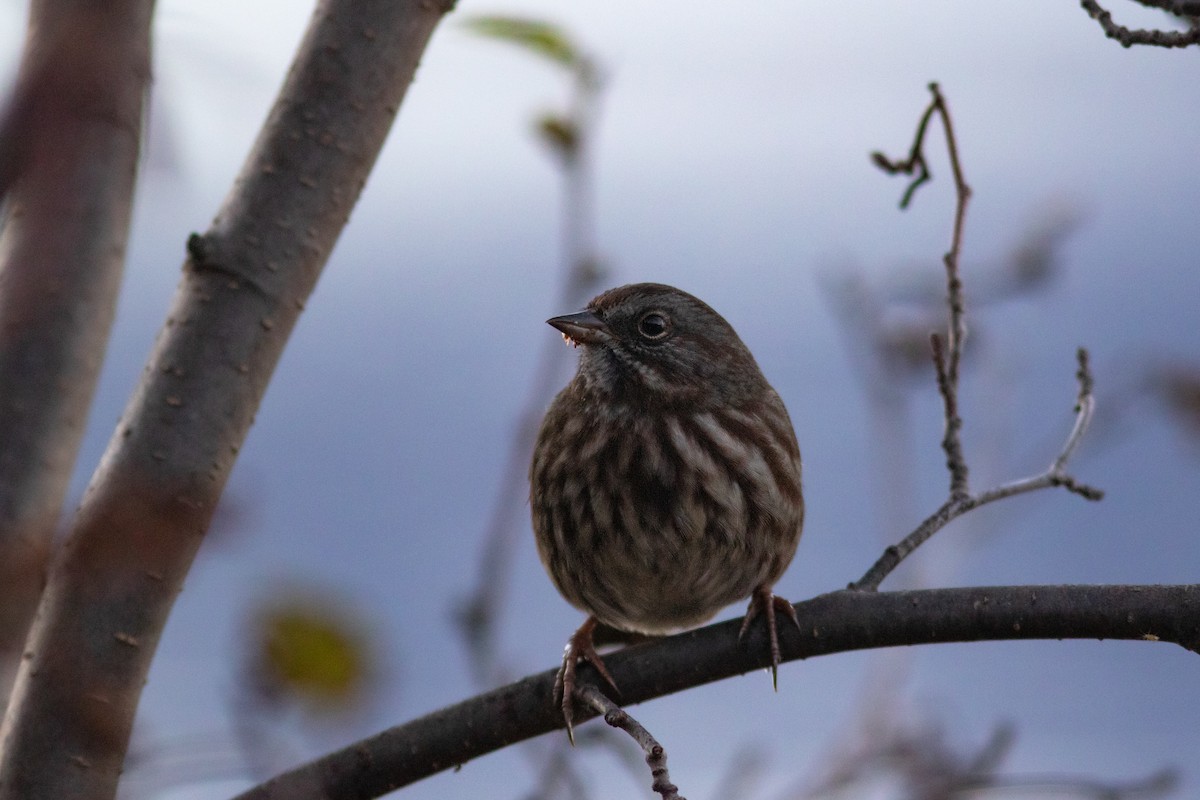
(665, 481)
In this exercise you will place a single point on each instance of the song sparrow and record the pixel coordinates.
(665, 481)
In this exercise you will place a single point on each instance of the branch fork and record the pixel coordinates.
(947, 354)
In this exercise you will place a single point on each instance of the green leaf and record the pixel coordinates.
(541, 38)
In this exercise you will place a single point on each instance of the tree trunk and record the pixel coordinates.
(150, 501)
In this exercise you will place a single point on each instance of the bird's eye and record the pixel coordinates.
(654, 326)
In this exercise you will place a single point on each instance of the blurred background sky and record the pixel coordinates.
(732, 161)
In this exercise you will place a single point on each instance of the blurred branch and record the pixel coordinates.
(165, 765)
(917, 756)
(152, 497)
(1158, 784)
(920, 760)
(1187, 11)
(833, 623)
(68, 159)
(570, 136)
(744, 773)
(1177, 389)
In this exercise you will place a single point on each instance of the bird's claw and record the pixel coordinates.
(579, 648)
(766, 602)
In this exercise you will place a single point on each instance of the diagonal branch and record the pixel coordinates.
(832, 623)
(151, 499)
(68, 159)
(656, 756)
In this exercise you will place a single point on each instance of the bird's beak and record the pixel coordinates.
(582, 328)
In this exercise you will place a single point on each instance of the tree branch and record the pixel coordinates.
(947, 356)
(954, 507)
(68, 158)
(832, 623)
(656, 756)
(478, 614)
(150, 502)
(1128, 37)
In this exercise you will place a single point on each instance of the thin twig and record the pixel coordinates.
(957, 332)
(656, 756)
(1085, 405)
(1054, 475)
(479, 614)
(915, 163)
(954, 288)
(1154, 37)
(956, 463)
(946, 358)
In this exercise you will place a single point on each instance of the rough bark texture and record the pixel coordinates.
(149, 503)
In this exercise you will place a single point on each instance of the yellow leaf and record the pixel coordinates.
(311, 654)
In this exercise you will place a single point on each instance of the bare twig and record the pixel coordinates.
(956, 463)
(946, 359)
(836, 622)
(478, 614)
(954, 288)
(1055, 475)
(1153, 37)
(957, 332)
(656, 756)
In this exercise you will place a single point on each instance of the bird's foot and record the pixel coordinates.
(766, 602)
(579, 648)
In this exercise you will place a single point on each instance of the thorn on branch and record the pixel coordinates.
(615, 716)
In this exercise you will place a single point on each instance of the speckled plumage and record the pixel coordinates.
(665, 482)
